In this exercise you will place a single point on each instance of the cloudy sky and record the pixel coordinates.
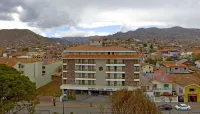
(58, 18)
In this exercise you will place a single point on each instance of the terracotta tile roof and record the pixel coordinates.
(97, 48)
(102, 56)
(186, 79)
(162, 77)
(196, 53)
(13, 61)
(173, 65)
(50, 61)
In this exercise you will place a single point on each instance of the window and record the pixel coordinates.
(184, 68)
(99, 41)
(115, 76)
(108, 83)
(176, 68)
(43, 72)
(154, 86)
(43, 67)
(157, 94)
(115, 83)
(83, 82)
(115, 61)
(89, 82)
(108, 60)
(166, 85)
(123, 76)
(192, 90)
(112, 53)
(123, 83)
(115, 68)
(108, 53)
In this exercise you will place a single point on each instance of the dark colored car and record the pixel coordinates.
(165, 107)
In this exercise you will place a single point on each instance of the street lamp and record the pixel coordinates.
(63, 101)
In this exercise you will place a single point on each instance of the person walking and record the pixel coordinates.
(54, 102)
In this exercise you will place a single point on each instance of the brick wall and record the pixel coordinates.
(129, 72)
(70, 71)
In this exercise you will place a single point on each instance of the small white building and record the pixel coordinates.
(36, 70)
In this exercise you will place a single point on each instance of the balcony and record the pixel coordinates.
(136, 77)
(90, 77)
(86, 64)
(162, 89)
(114, 62)
(117, 77)
(115, 70)
(78, 69)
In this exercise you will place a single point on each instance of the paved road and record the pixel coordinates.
(47, 110)
(82, 106)
(97, 111)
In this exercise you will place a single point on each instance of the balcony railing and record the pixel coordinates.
(92, 77)
(117, 70)
(136, 77)
(162, 89)
(114, 62)
(112, 77)
(78, 69)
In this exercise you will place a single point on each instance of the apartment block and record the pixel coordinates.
(98, 69)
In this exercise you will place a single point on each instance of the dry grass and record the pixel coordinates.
(50, 89)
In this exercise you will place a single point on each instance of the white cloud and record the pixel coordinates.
(43, 34)
(129, 14)
(77, 33)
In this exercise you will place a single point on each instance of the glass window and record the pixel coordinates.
(166, 85)
(192, 90)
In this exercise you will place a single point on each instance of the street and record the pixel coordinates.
(46, 110)
(82, 106)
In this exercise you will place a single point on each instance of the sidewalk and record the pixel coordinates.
(71, 104)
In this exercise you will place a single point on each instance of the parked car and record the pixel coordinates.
(165, 107)
(183, 107)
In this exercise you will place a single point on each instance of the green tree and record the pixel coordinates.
(25, 49)
(196, 58)
(145, 45)
(169, 59)
(16, 91)
(151, 46)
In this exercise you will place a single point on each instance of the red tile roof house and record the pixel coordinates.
(162, 87)
(173, 68)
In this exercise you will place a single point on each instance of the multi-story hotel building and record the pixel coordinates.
(98, 69)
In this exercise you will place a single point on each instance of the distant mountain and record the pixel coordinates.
(147, 33)
(157, 33)
(60, 40)
(81, 40)
(20, 37)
